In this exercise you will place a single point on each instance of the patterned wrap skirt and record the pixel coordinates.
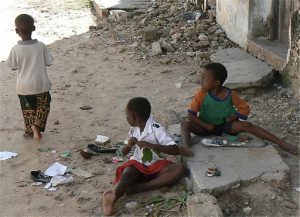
(35, 109)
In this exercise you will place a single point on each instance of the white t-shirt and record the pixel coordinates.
(153, 133)
(30, 58)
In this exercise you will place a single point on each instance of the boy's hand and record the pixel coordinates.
(231, 118)
(143, 144)
(210, 127)
(132, 141)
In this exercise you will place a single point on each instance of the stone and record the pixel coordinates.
(244, 70)
(176, 37)
(150, 34)
(203, 205)
(247, 210)
(212, 30)
(166, 47)
(204, 55)
(190, 32)
(119, 15)
(167, 117)
(203, 37)
(200, 28)
(214, 44)
(252, 162)
(290, 205)
(203, 44)
(211, 14)
(190, 54)
(131, 205)
(155, 49)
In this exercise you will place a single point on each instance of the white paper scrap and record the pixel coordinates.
(56, 169)
(4, 155)
(58, 180)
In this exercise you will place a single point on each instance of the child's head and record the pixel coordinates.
(138, 109)
(24, 25)
(214, 75)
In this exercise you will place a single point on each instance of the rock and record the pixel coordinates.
(178, 85)
(119, 15)
(155, 49)
(191, 54)
(247, 210)
(190, 32)
(211, 14)
(131, 205)
(165, 61)
(219, 32)
(150, 34)
(168, 117)
(56, 122)
(86, 107)
(212, 30)
(166, 47)
(214, 44)
(200, 28)
(165, 71)
(204, 55)
(202, 37)
(203, 44)
(290, 205)
(176, 37)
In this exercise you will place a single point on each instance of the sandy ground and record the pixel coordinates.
(87, 72)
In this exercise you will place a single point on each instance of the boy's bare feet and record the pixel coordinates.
(36, 132)
(109, 198)
(185, 151)
(290, 148)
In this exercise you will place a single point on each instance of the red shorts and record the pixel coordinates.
(146, 170)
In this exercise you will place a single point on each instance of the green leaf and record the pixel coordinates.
(147, 155)
(156, 199)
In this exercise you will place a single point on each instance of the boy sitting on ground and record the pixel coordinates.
(146, 169)
(220, 110)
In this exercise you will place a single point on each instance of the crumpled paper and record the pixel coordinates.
(4, 155)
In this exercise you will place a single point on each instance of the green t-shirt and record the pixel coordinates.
(214, 110)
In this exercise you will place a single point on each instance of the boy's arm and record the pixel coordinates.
(167, 149)
(126, 148)
(241, 106)
(198, 121)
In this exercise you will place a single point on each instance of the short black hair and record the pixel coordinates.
(24, 22)
(219, 71)
(141, 106)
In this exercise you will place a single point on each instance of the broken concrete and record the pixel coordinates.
(124, 4)
(244, 70)
(203, 205)
(236, 165)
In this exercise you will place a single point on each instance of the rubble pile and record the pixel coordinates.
(172, 29)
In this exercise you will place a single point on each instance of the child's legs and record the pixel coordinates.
(129, 177)
(188, 127)
(244, 126)
(42, 110)
(28, 106)
(169, 175)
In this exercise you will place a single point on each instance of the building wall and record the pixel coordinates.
(233, 17)
(259, 18)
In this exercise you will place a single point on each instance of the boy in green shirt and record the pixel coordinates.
(220, 110)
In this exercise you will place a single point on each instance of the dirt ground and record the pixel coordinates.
(96, 72)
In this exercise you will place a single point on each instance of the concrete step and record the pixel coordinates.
(236, 165)
(273, 52)
(244, 70)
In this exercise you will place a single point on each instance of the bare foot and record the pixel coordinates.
(290, 148)
(109, 198)
(185, 151)
(36, 132)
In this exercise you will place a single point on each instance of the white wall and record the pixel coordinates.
(233, 17)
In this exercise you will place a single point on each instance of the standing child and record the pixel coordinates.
(30, 58)
(220, 109)
(146, 169)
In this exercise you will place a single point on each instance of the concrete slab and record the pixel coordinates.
(203, 205)
(123, 4)
(244, 70)
(236, 165)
